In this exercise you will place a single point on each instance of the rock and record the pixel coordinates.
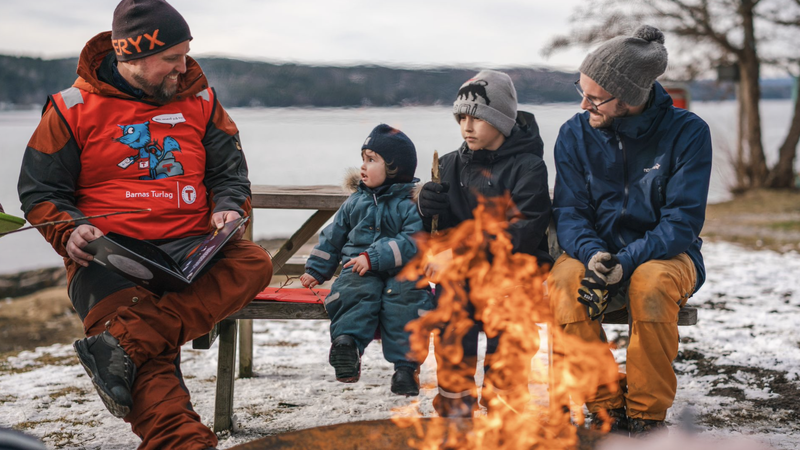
(30, 281)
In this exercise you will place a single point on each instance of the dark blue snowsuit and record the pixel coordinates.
(380, 222)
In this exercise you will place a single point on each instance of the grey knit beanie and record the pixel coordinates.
(489, 96)
(627, 67)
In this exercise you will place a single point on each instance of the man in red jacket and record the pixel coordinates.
(140, 128)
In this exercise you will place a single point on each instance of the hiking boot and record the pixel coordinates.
(111, 370)
(617, 418)
(345, 359)
(405, 381)
(644, 428)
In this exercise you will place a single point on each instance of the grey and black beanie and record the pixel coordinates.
(491, 97)
(145, 27)
(396, 149)
(627, 66)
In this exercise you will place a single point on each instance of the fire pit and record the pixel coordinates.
(376, 434)
(506, 291)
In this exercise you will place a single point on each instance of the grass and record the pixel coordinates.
(760, 219)
(790, 225)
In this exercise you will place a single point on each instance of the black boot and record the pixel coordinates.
(618, 418)
(405, 381)
(644, 428)
(345, 359)
(111, 370)
(456, 408)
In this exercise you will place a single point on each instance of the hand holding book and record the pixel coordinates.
(150, 267)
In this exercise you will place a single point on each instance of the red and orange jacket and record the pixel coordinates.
(99, 150)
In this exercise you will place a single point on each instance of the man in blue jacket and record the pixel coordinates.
(632, 176)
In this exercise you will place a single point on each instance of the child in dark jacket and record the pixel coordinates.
(372, 235)
(501, 153)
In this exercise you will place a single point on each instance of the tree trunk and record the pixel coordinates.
(782, 175)
(740, 161)
(756, 165)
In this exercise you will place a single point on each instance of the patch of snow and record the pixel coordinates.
(747, 334)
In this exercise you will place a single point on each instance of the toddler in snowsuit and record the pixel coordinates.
(372, 235)
(501, 153)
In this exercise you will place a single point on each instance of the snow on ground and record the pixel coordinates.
(738, 372)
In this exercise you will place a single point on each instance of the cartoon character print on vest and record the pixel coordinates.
(476, 88)
(159, 161)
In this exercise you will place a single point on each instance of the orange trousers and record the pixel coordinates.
(658, 289)
(152, 329)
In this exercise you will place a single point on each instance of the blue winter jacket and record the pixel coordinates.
(378, 221)
(637, 188)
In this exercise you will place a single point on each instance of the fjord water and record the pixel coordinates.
(309, 146)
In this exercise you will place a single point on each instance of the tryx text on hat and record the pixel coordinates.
(396, 149)
(626, 67)
(491, 97)
(145, 27)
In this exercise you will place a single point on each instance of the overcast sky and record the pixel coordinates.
(497, 33)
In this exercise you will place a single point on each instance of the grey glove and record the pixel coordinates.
(607, 267)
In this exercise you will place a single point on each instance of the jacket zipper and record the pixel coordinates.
(626, 191)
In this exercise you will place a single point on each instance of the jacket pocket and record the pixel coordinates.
(660, 187)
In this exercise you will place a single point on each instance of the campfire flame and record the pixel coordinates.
(508, 294)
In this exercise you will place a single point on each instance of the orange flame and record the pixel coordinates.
(507, 292)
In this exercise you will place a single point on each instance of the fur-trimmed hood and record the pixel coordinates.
(352, 179)
(352, 183)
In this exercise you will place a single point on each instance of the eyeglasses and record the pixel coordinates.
(595, 106)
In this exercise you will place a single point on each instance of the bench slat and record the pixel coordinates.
(261, 309)
(322, 198)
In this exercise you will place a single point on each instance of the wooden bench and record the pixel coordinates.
(325, 200)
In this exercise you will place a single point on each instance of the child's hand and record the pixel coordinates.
(360, 264)
(438, 264)
(308, 281)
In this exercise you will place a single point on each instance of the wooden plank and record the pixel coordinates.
(300, 237)
(687, 316)
(291, 269)
(223, 403)
(552, 241)
(327, 197)
(245, 348)
(204, 342)
(296, 268)
(281, 311)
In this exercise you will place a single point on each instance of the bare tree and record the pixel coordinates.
(708, 33)
(786, 15)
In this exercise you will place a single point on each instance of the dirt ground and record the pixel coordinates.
(760, 219)
(45, 316)
(42, 318)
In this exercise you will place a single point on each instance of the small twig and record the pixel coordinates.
(58, 222)
(289, 280)
(435, 179)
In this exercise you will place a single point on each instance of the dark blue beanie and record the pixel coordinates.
(396, 149)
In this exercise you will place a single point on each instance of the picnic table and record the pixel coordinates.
(324, 200)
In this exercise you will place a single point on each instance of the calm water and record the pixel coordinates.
(316, 146)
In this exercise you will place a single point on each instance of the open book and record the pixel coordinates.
(150, 267)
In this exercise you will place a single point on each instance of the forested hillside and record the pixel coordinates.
(27, 81)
